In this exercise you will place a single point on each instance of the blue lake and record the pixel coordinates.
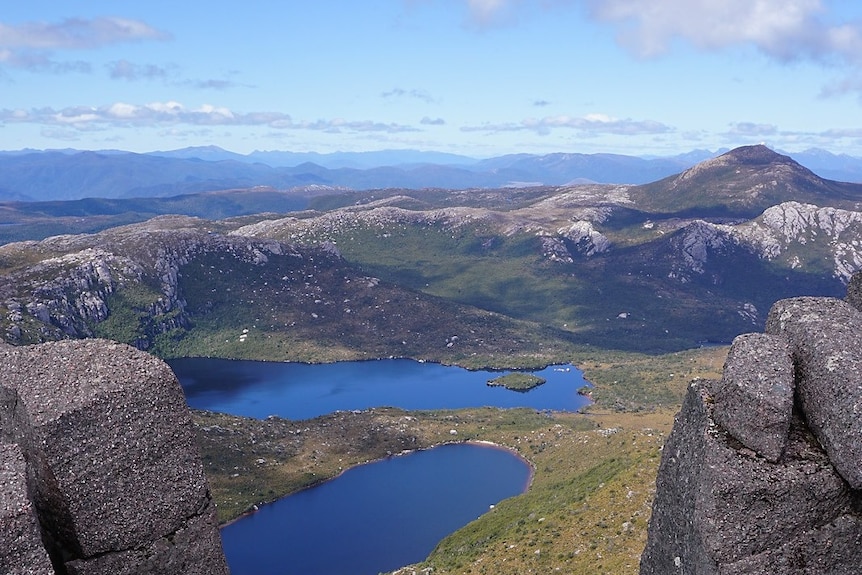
(383, 515)
(301, 391)
(375, 517)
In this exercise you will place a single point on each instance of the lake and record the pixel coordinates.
(301, 391)
(375, 517)
(383, 515)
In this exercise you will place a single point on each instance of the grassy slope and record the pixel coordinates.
(584, 299)
(319, 309)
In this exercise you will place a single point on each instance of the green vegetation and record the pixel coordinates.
(131, 318)
(517, 381)
(638, 382)
(616, 301)
(318, 309)
(457, 277)
(586, 511)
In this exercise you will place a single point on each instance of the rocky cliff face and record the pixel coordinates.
(66, 295)
(99, 469)
(763, 470)
(796, 235)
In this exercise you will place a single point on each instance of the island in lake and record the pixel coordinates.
(517, 381)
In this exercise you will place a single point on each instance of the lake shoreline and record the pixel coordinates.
(477, 442)
(491, 367)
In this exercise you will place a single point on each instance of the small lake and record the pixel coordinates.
(383, 515)
(302, 391)
(375, 517)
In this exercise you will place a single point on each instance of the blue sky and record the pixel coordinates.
(472, 77)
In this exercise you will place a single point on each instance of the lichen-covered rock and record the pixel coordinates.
(824, 336)
(67, 295)
(21, 550)
(754, 402)
(110, 451)
(728, 500)
(720, 507)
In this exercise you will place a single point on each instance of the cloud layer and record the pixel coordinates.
(786, 30)
(589, 124)
(121, 114)
(783, 29)
(31, 45)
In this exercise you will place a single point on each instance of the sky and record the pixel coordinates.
(474, 77)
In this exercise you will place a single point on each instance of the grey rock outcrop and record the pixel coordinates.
(762, 471)
(854, 291)
(112, 470)
(21, 550)
(755, 402)
(824, 336)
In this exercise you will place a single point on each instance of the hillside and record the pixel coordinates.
(184, 286)
(615, 278)
(584, 265)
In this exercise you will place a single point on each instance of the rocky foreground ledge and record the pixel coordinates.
(99, 470)
(763, 470)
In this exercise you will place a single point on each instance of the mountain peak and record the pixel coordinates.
(741, 182)
(756, 155)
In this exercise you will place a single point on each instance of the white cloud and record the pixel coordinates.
(485, 12)
(125, 70)
(402, 93)
(783, 29)
(741, 133)
(589, 124)
(172, 113)
(786, 30)
(753, 129)
(212, 84)
(31, 45)
(122, 110)
(77, 33)
(849, 84)
(40, 62)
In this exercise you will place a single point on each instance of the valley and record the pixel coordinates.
(640, 285)
(589, 499)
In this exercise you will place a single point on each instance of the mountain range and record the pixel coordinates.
(483, 276)
(29, 175)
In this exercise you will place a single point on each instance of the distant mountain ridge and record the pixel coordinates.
(30, 175)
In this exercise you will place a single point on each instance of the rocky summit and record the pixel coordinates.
(99, 469)
(763, 470)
